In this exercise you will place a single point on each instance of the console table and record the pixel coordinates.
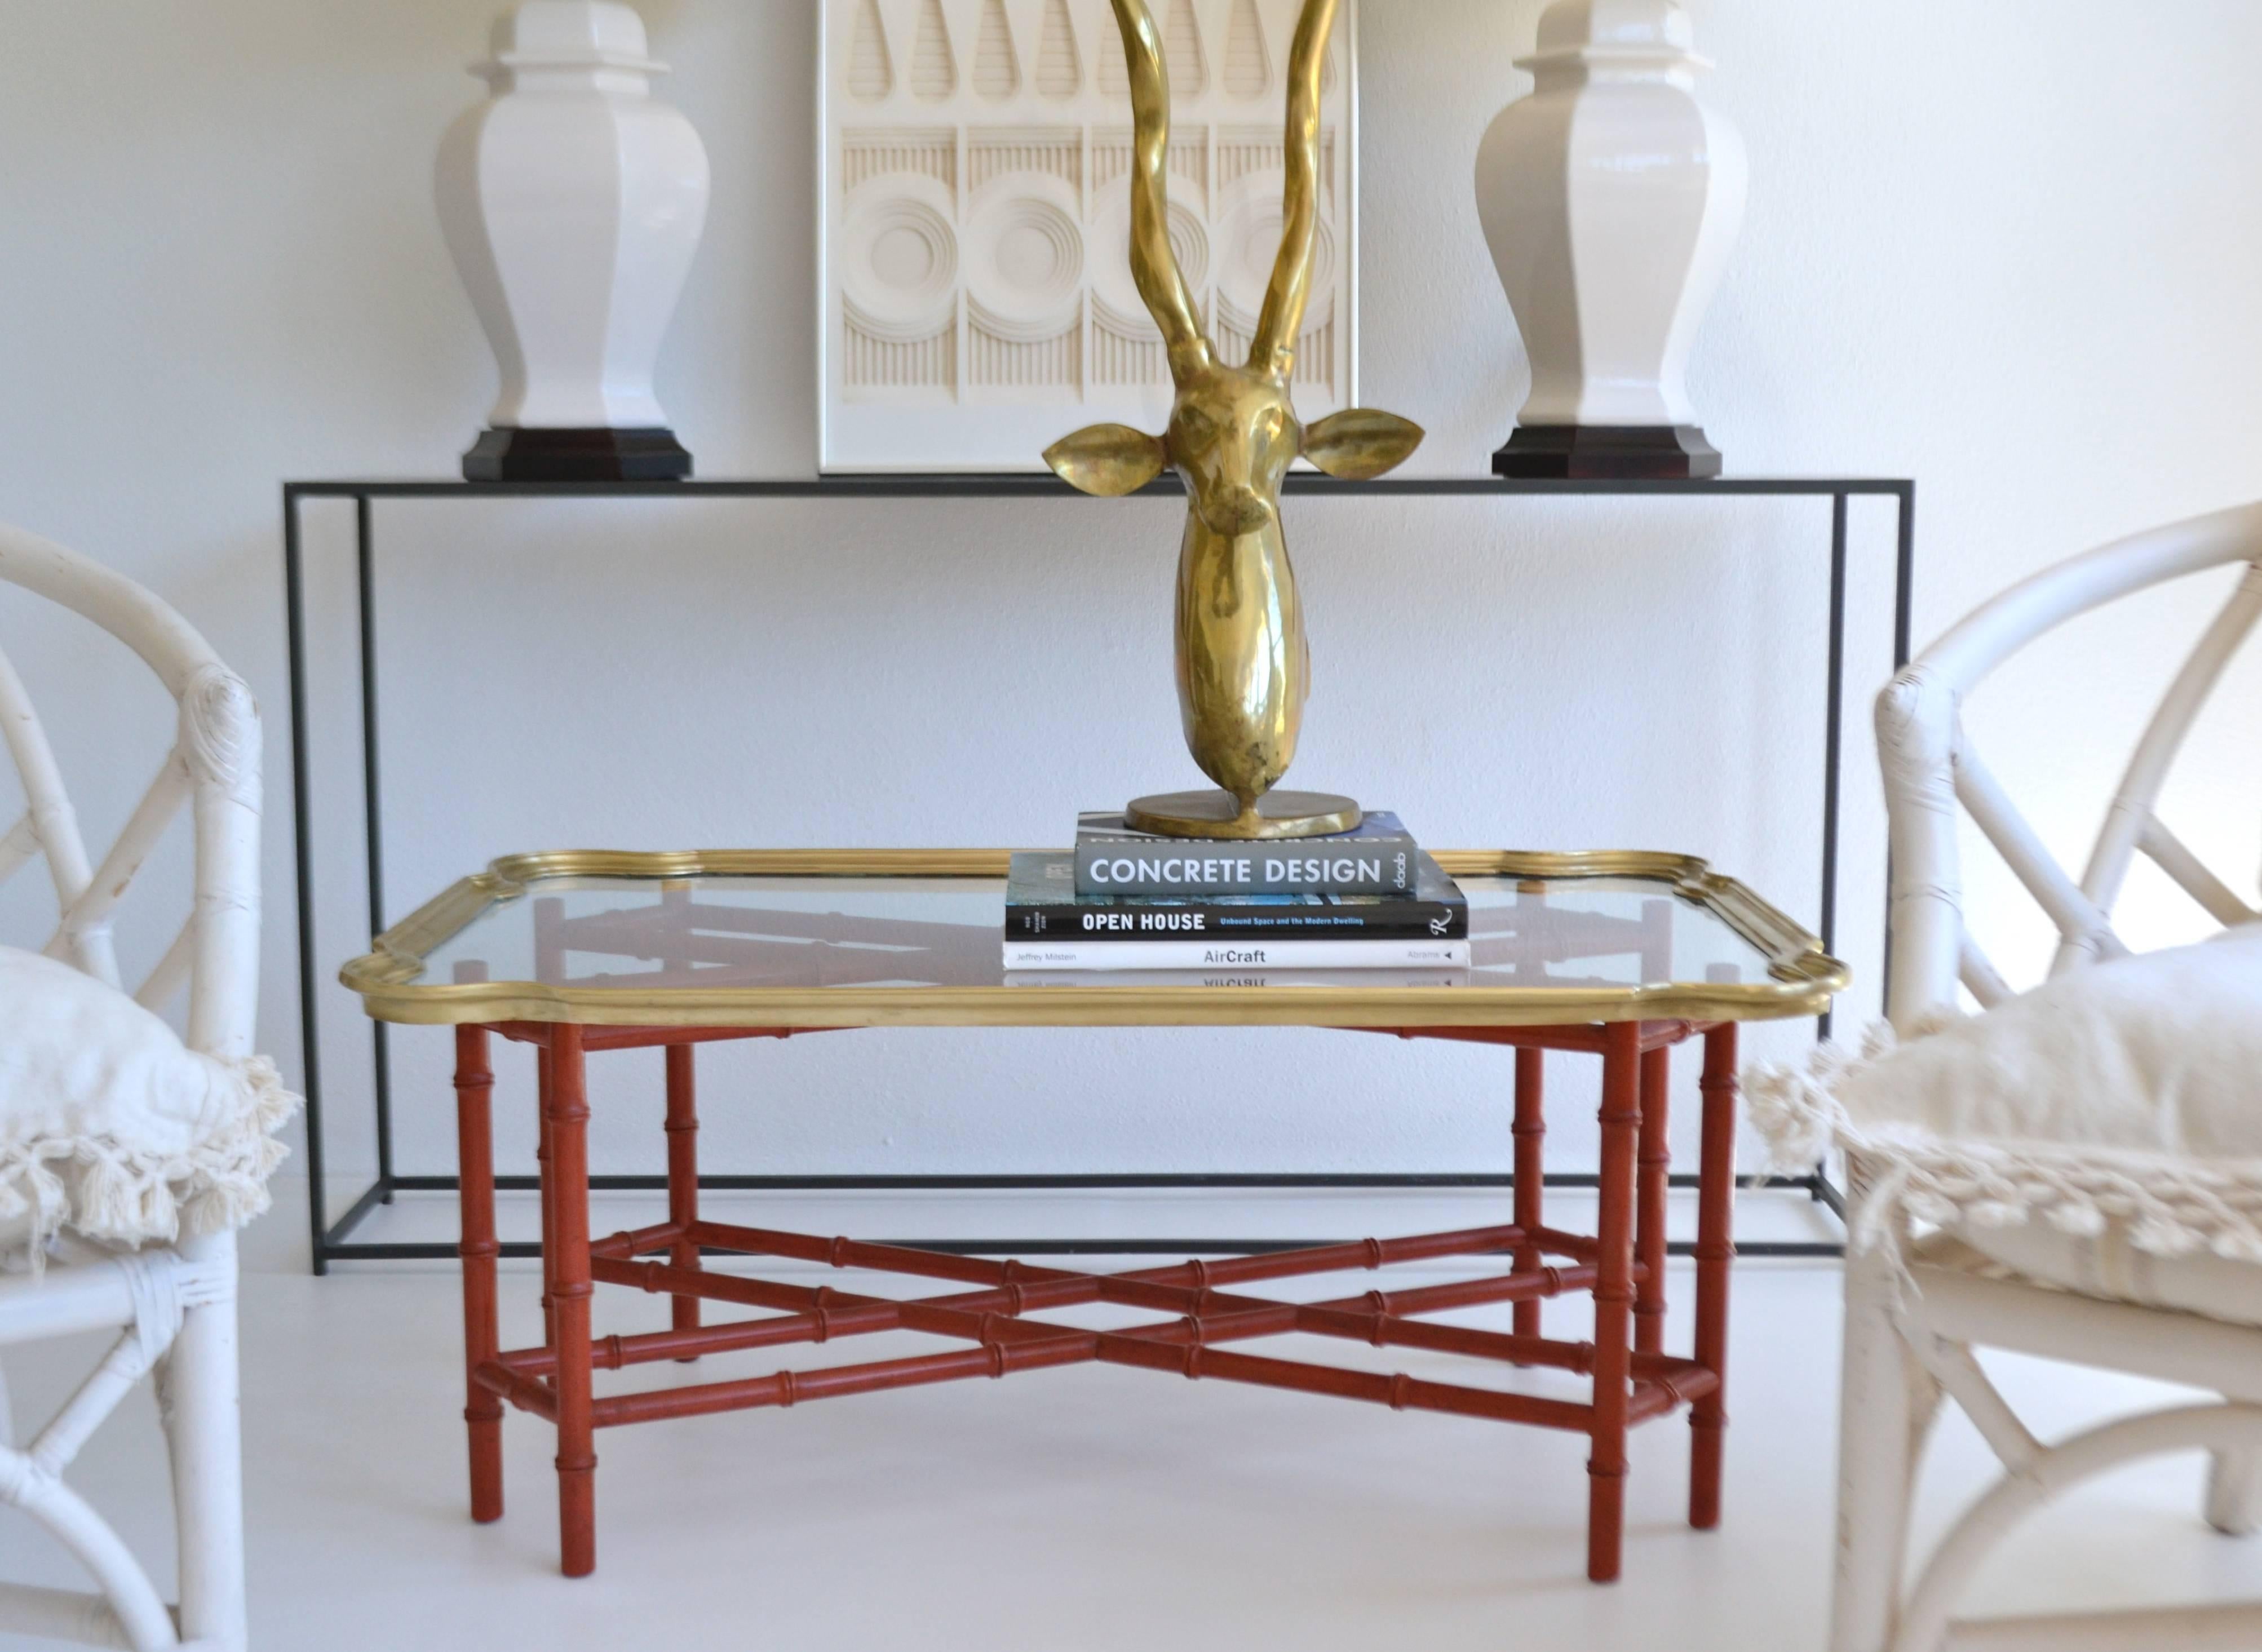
(1622, 955)
(334, 1240)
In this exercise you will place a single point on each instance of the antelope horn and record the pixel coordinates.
(1154, 266)
(1282, 320)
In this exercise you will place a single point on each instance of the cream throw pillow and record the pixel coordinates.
(2160, 1052)
(112, 1127)
(2129, 1093)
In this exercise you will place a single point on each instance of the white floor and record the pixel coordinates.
(1090, 1508)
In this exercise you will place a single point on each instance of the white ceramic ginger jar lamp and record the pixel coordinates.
(1610, 197)
(573, 201)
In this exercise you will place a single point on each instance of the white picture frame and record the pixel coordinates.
(973, 272)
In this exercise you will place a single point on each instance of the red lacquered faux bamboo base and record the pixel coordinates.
(1203, 1307)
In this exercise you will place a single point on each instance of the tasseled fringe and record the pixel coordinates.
(1914, 1181)
(1795, 1109)
(109, 1191)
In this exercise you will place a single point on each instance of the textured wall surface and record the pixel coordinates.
(2005, 249)
(976, 158)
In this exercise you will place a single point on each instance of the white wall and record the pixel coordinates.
(2007, 248)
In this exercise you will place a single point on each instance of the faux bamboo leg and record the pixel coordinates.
(542, 1072)
(566, 1266)
(1530, 1171)
(1606, 1463)
(1886, 1403)
(1655, 1160)
(200, 1404)
(683, 1176)
(2233, 1492)
(475, 1167)
(549, 967)
(1716, 1249)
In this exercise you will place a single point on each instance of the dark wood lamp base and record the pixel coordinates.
(1607, 452)
(512, 454)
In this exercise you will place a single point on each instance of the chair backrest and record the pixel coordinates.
(1930, 767)
(213, 768)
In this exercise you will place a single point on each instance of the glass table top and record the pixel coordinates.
(808, 938)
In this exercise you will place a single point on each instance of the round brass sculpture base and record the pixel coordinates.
(1218, 814)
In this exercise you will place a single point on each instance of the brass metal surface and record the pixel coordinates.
(1219, 814)
(1243, 664)
(1802, 977)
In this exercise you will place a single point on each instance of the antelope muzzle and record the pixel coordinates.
(1235, 508)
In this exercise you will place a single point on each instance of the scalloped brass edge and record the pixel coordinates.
(1803, 976)
(397, 957)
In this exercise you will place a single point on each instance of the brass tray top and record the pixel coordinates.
(824, 938)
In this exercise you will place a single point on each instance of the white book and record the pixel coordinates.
(1101, 957)
(1243, 978)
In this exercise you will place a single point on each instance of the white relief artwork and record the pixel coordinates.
(976, 220)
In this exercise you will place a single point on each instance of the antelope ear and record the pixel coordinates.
(1360, 443)
(1108, 460)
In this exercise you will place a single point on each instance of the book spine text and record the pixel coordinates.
(1385, 866)
(1237, 955)
(1130, 925)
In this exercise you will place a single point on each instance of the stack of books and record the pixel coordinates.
(1125, 901)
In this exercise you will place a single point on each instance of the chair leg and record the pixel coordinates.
(2233, 1492)
(1885, 1407)
(204, 1428)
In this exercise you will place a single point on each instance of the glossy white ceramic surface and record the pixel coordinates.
(573, 201)
(1610, 197)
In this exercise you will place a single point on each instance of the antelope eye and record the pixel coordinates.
(1197, 426)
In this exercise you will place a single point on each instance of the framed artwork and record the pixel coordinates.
(974, 275)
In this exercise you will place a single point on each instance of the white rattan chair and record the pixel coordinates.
(1909, 1337)
(173, 1307)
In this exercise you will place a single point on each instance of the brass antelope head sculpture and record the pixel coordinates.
(1244, 665)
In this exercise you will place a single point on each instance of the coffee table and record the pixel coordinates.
(1620, 955)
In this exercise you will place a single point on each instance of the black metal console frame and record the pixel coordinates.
(333, 1241)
